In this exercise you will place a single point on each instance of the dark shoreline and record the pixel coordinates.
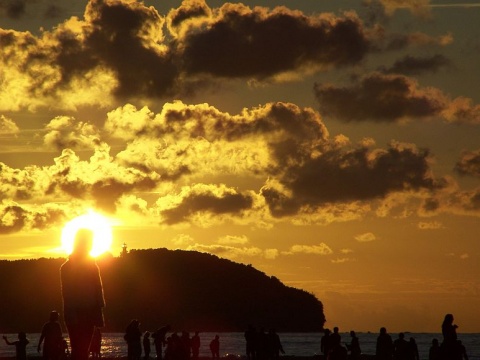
(227, 357)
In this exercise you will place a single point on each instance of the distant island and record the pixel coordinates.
(189, 290)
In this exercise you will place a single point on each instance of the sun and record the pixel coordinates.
(98, 224)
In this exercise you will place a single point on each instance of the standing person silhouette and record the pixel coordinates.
(51, 337)
(20, 345)
(82, 293)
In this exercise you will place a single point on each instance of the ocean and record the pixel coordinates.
(294, 344)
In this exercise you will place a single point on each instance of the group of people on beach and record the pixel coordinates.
(177, 347)
(451, 347)
(262, 345)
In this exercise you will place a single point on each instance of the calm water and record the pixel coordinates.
(297, 344)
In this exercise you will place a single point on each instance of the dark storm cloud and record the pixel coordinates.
(381, 98)
(242, 42)
(343, 176)
(411, 65)
(469, 163)
(207, 200)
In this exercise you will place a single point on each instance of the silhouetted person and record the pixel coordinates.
(82, 292)
(195, 344)
(434, 351)
(325, 343)
(400, 347)
(185, 346)
(335, 338)
(215, 347)
(133, 337)
(384, 346)
(449, 332)
(96, 344)
(51, 337)
(146, 345)
(250, 342)
(171, 344)
(354, 346)
(412, 350)
(274, 345)
(20, 345)
(261, 352)
(159, 339)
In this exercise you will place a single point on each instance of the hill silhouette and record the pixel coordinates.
(186, 289)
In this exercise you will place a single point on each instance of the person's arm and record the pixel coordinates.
(6, 340)
(42, 336)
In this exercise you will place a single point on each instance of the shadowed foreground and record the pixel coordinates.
(227, 357)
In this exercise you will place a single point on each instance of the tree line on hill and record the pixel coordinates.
(186, 289)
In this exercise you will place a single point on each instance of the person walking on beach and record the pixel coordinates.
(51, 336)
(82, 293)
(384, 346)
(215, 347)
(20, 345)
(434, 351)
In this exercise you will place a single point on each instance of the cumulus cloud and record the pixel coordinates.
(391, 97)
(320, 249)
(469, 163)
(366, 237)
(203, 199)
(15, 217)
(349, 175)
(430, 225)
(419, 8)
(229, 252)
(65, 132)
(173, 157)
(266, 42)
(451, 200)
(8, 126)
(411, 65)
(122, 50)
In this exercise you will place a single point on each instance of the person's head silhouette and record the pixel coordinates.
(83, 243)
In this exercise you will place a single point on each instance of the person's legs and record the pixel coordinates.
(80, 338)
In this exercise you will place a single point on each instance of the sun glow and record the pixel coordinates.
(98, 224)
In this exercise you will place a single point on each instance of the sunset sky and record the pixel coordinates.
(334, 144)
